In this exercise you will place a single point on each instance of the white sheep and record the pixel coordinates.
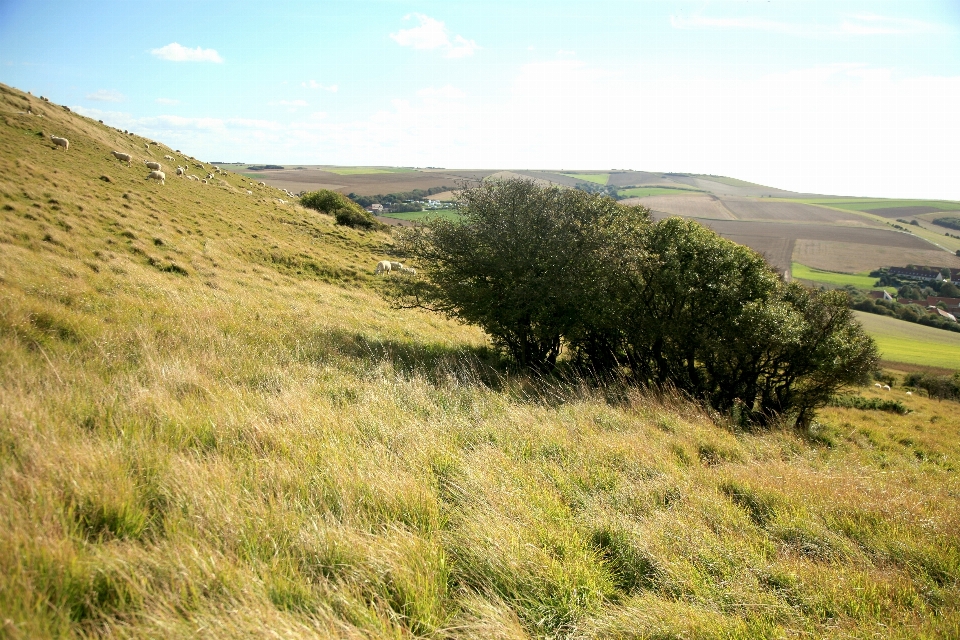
(60, 142)
(170, 158)
(909, 393)
(878, 385)
(123, 157)
(153, 165)
(203, 181)
(886, 387)
(146, 146)
(410, 271)
(159, 176)
(249, 193)
(181, 172)
(192, 177)
(209, 176)
(261, 184)
(396, 266)
(382, 267)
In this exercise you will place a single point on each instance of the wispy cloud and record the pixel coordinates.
(106, 95)
(176, 52)
(313, 84)
(863, 24)
(167, 101)
(432, 34)
(287, 103)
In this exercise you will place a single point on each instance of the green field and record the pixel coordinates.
(643, 192)
(446, 214)
(901, 341)
(858, 280)
(864, 204)
(598, 178)
(358, 171)
(732, 182)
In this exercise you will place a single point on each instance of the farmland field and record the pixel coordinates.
(780, 211)
(852, 257)
(597, 178)
(688, 206)
(859, 280)
(885, 208)
(645, 192)
(363, 171)
(446, 214)
(901, 341)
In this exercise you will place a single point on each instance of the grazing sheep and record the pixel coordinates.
(382, 267)
(123, 157)
(877, 384)
(261, 184)
(249, 193)
(60, 142)
(886, 387)
(209, 176)
(153, 165)
(181, 172)
(410, 271)
(396, 266)
(168, 158)
(146, 146)
(203, 181)
(909, 393)
(159, 176)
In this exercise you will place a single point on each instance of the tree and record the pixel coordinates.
(666, 304)
(525, 263)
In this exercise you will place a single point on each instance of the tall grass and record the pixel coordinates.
(258, 447)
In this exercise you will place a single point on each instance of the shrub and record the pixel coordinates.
(344, 210)
(940, 387)
(869, 404)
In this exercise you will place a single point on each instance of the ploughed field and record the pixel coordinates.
(212, 425)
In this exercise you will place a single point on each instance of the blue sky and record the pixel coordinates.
(853, 98)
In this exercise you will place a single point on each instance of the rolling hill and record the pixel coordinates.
(212, 425)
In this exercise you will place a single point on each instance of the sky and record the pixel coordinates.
(846, 98)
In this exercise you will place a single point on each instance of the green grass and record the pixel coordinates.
(911, 343)
(358, 171)
(643, 192)
(598, 178)
(858, 280)
(258, 444)
(733, 182)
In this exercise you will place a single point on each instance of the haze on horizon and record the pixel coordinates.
(851, 98)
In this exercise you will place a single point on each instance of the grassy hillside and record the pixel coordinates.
(211, 425)
(818, 276)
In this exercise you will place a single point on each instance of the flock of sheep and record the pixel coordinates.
(386, 266)
(886, 387)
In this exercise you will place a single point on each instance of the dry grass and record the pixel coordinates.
(261, 447)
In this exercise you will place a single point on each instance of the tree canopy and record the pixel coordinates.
(662, 304)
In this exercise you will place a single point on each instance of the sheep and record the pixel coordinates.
(203, 181)
(396, 266)
(886, 387)
(159, 176)
(410, 271)
(249, 193)
(170, 158)
(123, 157)
(909, 393)
(382, 267)
(209, 176)
(877, 384)
(146, 146)
(60, 142)
(153, 165)
(261, 184)
(181, 172)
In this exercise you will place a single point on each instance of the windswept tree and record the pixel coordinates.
(527, 264)
(665, 304)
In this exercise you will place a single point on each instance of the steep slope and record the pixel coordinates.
(211, 425)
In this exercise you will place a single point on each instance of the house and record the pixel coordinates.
(952, 304)
(376, 208)
(944, 314)
(880, 295)
(917, 273)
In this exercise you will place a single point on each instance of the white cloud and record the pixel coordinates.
(106, 95)
(288, 103)
(167, 101)
(176, 52)
(862, 24)
(313, 84)
(432, 34)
